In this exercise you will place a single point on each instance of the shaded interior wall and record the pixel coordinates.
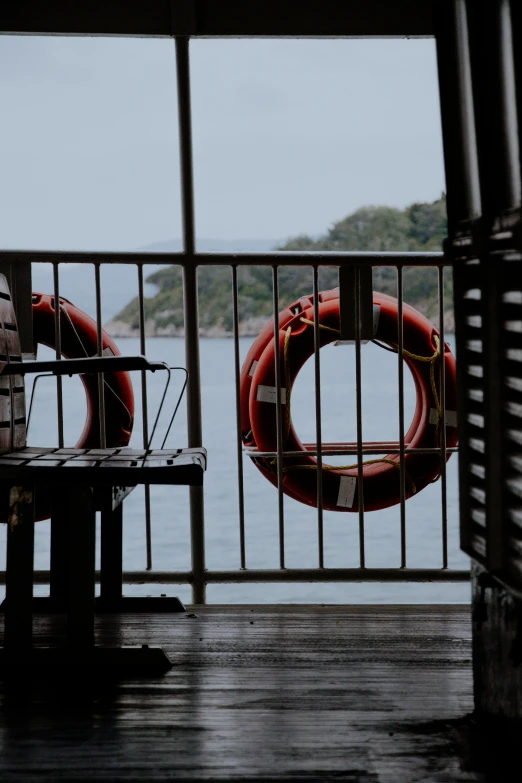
(497, 648)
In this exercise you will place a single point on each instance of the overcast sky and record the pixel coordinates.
(289, 136)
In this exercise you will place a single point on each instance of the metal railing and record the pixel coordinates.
(198, 576)
(189, 260)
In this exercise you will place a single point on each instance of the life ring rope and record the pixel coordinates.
(69, 320)
(288, 417)
(106, 386)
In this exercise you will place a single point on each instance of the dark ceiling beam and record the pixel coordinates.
(306, 18)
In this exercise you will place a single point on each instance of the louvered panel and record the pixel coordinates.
(477, 543)
(478, 515)
(476, 420)
(513, 569)
(512, 341)
(474, 430)
(482, 141)
(511, 315)
(513, 500)
(513, 411)
(474, 370)
(477, 444)
(514, 436)
(513, 383)
(513, 324)
(475, 408)
(514, 559)
(513, 355)
(514, 515)
(474, 346)
(471, 326)
(474, 321)
(489, 349)
(469, 317)
(478, 470)
(515, 462)
(514, 545)
(475, 394)
(514, 486)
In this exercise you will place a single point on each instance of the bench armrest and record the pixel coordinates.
(98, 364)
(83, 366)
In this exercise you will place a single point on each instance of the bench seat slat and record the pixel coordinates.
(125, 467)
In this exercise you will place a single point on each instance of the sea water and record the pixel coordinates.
(170, 505)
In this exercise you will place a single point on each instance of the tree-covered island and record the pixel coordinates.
(418, 227)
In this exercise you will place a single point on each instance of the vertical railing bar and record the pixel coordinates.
(279, 415)
(358, 395)
(402, 460)
(318, 422)
(58, 342)
(144, 413)
(191, 315)
(239, 438)
(442, 423)
(99, 337)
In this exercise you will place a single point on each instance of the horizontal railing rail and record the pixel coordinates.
(239, 258)
(276, 575)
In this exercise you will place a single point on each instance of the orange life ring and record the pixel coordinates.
(78, 340)
(381, 478)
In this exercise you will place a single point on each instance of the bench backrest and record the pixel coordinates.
(13, 431)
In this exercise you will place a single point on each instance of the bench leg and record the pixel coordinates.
(111, 571)
(81, 578)
(75, 504)
(18, 629)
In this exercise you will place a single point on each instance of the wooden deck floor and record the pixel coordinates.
(265, 693)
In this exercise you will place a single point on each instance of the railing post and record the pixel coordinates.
(190, 293)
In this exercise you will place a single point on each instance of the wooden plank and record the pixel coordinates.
(219, 17)
(269, 693)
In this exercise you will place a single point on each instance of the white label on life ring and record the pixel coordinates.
(269, 394)
(451, 417)
(346, 491)
(252, 369)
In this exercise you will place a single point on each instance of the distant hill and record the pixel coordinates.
(120, 283)
(418, 227)
(206, 245)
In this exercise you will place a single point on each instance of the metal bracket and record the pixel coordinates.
(356, 286)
